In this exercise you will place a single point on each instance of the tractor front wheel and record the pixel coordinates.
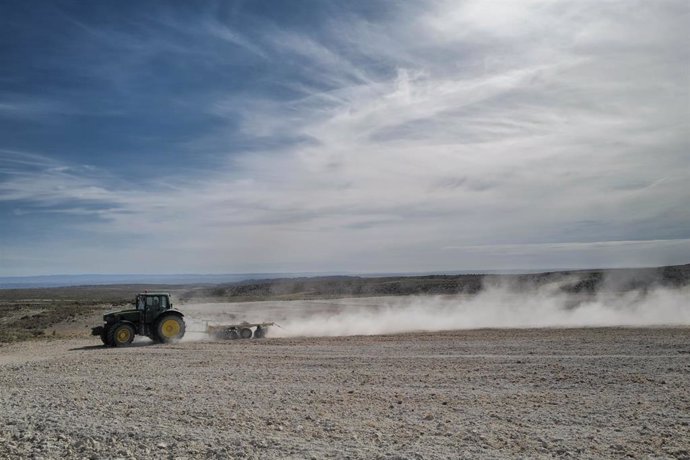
(120, 335)
(104, 337)
(170, 328)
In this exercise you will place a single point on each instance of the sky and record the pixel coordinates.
(330, 136)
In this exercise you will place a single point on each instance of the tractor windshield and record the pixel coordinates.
(152, 302)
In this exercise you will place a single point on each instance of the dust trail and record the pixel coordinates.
(499, 306)
(195, 330)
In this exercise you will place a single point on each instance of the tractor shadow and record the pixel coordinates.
(103, 347)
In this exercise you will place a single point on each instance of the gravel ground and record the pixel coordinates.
(581, 393)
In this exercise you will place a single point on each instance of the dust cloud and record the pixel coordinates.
(195, 330)
(498, 306)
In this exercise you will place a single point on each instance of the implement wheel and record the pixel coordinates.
(246, 333)
(120, 335)
(170, 328)
(231, 334)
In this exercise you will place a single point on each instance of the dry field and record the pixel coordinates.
(535, 393)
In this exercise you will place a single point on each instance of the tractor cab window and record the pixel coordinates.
(155, 302)
(152, 302)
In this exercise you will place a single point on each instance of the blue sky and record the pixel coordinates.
(266, 136)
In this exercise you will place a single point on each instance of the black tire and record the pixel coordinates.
(104, 337)
(170, 328)
(260, 333)
(246, 333)
(120, 335)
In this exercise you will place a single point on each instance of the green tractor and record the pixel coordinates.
(151, 316)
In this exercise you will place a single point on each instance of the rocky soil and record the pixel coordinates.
(580, 393)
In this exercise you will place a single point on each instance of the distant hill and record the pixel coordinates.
(250, 287)
(51, 281)
(572, 281)
(15, 282)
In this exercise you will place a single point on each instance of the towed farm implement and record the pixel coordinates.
(238, 331)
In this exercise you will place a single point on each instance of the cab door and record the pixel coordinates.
(153, 308)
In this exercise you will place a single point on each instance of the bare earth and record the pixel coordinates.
(585, 393)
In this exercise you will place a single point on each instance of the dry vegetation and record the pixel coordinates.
(30, 319)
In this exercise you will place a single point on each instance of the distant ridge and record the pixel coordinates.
(56, 281)
(47, 281)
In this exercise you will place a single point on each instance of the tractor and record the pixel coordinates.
(152, 316)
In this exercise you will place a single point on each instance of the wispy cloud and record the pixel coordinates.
(22, 107)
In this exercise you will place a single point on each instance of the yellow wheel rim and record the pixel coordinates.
(170, 328)
(123, 335)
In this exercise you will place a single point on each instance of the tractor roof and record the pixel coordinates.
(154, 293)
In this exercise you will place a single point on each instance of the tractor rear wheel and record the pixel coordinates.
(260, 332)
(170, 328)
(246, 333)
(120, 335)
(153, 337)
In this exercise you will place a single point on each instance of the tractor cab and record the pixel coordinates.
(152, 304)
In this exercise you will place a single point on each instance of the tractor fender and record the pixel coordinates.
(123, 321)
(170, 312)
